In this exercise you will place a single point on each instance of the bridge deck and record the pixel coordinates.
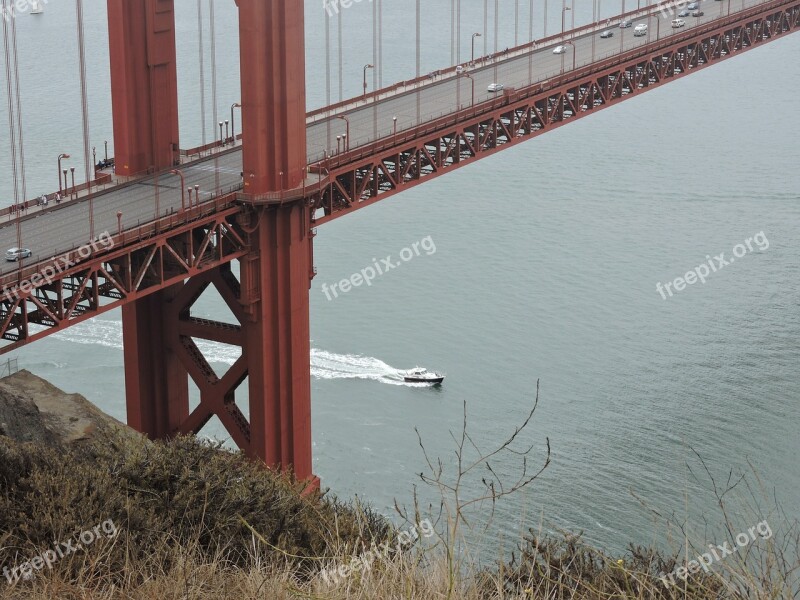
(60, 228)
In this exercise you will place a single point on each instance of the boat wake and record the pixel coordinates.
(324, 364)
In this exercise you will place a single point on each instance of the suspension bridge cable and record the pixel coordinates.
(418, 65)
(485, 27)
(20, 138)
(379, 65)
(84, 111)
(212, 33)
(516, 23)
(202, 70)
(9, 98)
(458, 32)
(341, 75)
(327, 18)
(452, 32)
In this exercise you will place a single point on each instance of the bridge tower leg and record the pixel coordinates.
(276, 275)
(144, 84)
(156, 382)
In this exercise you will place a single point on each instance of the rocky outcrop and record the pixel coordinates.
(34, 410)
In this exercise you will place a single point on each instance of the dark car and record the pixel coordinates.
(698, 13)
(684, 13)
(607, 34)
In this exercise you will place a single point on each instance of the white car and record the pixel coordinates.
(678, 23)
(640, 30)
(15, 254)
(559, 50)
(495, 87)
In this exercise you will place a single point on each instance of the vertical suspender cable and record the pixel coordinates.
(379, 65)
(202, 70)
(496, 19)
(530, 27)
(544, 33)
(530, 51)
(214, 86)
(341, 71)
(327, 18)
(418, 65)
(458, 32)
(374, 68)
(84, 110)
(9, 95)
(485, 27)
(452, 32)
(20, 142)
(9, 98)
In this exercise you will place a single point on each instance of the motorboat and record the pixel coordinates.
(421, 375)
(36, 7)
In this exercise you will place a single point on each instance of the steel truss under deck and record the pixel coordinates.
(368, 174)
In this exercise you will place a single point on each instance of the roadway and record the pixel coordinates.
(57, 230)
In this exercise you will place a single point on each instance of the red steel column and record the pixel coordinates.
(275, 277)
(156, 382)
(275, 282)
(272, 61)
(144, 84)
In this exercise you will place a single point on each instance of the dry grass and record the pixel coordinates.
(195, 521)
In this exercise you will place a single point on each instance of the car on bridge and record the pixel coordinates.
(694, 6)
(15, 254)
(559, 50)
(495, 87)
(678, 23)
(698, 13)
(684, 13)
(640, 30)
(607, 34)
(625, 23)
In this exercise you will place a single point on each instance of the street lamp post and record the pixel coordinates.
(346, 131)
(226, 130)
(474, 35)
(73, 180)
(60, 156)
(189, 189)
(66, 180)
(365, 78)
(197, 195)
(394, 129)
(179, 173)
(221, 139)
(564, 10)
(233, 127)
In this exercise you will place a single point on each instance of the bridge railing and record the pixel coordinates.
(542, 79)
(554, 79)
(141, 232)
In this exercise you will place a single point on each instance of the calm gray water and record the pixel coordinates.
(545, 267)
